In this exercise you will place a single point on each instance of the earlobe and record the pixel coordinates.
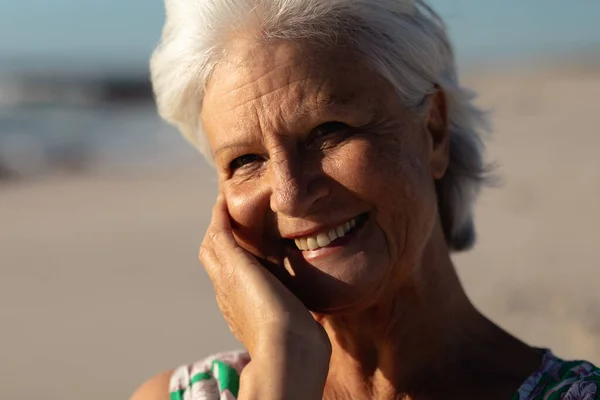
(438, 128)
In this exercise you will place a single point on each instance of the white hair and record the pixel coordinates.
(403, 40)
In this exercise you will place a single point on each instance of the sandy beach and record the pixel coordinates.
(100, 287)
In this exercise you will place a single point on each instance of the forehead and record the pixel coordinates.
(277, 85)
(249, 66)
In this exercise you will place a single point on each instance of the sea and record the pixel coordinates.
(56, 56)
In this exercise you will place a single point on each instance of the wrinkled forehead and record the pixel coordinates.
(295, 75)
(261, 92)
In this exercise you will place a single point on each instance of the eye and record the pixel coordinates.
(242, 161)
(328, 128)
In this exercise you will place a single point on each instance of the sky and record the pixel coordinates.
(121, 33)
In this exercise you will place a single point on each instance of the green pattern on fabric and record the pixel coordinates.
(214, 378)
(562, 380)
(227, 377)
(178, 395)
(200, 377)
(555, 379)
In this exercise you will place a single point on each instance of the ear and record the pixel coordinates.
(438, 129)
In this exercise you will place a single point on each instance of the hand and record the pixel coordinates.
(260, 311)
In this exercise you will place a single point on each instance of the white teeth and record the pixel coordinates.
(312, 243)
(332, 235)
(324, 239)
(304, 244)
(301, 244)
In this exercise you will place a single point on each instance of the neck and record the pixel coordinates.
(427, 330)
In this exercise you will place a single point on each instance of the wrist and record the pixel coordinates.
(287, 366)
(313, 346)
(283, 379)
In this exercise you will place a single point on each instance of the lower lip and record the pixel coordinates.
(335, 246)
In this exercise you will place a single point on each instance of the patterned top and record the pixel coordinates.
(218, 378)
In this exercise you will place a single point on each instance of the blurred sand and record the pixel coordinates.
(100, 287)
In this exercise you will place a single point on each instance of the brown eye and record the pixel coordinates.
(242, 161)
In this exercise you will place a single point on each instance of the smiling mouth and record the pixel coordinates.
(330, 237)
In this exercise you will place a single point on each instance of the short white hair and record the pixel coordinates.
(404, 40)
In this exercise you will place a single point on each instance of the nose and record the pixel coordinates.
(295, 186)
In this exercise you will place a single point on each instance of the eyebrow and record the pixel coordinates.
(335, 99)
(232, 145)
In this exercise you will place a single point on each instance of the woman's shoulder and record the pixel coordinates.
(560, 379)
(216, 377)
(155, 388)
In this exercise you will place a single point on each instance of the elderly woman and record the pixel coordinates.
(349, 159)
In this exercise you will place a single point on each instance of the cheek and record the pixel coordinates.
(248, 207)
(391, 177)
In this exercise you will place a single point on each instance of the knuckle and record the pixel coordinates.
(209, 261)
(212, 235)
(204, 253)
(223, 306)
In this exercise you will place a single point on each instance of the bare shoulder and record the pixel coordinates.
(155, 388)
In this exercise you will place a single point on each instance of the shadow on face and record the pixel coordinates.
(329, 179)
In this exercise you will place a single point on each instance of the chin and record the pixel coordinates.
(343, 287)
(345, 277)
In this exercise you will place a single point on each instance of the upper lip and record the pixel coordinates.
(316, 229)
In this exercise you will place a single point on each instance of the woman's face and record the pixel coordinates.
(328, 178)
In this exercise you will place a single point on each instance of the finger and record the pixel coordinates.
(217, 231)
(221, 234)
(220, 252)
(229, 262)
(209, 261)
(220, 216)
